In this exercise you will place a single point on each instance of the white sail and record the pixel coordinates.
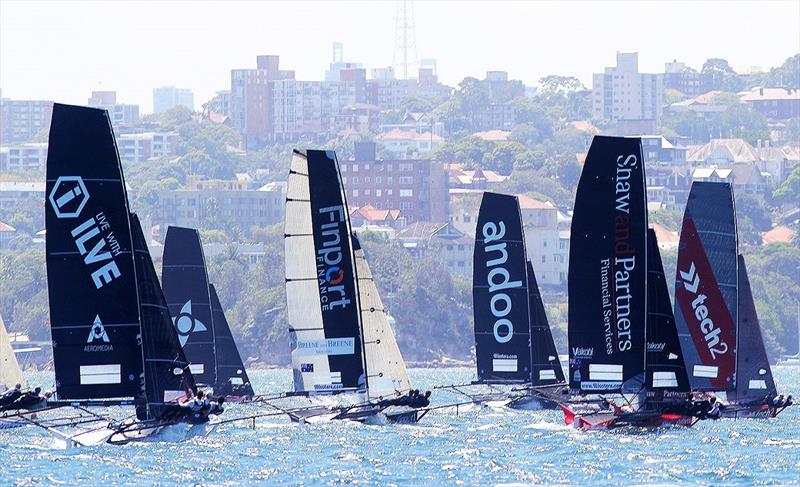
(10, 373)
(385, 365)
(302, 293)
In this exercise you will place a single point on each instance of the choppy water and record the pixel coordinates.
(473, 447)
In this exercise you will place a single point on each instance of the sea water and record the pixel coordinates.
(469, 446)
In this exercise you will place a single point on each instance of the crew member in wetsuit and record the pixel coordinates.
(29, 399)
(9, 396)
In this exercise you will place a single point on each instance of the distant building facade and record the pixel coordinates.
(138, 148)
(774, 103)
(631, 99)
(677, 76)
(22, 120)
(31, 156)
(121, 114)
(168, 97)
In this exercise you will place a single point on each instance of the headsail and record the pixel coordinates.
(322, 302)
(706, 291)
(232, 379)
(387, 369)
(185, 284)
(666, 370)
(94, 310)
(608, 269)
(754, 380)
(546, 367)
(166, 370)
(10, 373)
(500, 292)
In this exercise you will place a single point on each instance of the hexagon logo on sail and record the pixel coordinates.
(68, 196)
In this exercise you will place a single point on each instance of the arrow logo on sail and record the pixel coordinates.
(185, 323)
(98, 331)
(691, 280)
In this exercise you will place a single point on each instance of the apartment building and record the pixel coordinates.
(24, 157)
(22, 120)
(632, 99)
(168, 97)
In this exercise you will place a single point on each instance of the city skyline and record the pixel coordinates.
(38, 40)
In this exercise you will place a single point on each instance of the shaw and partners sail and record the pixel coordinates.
(113, 339)
(345, 358)
(715, 312)
(517, 361)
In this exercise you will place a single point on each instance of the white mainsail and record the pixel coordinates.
(10, 373)
(385, 365)
(302, 292)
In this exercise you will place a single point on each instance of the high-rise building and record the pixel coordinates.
(168, 97)
(22, 120)
(631, 99)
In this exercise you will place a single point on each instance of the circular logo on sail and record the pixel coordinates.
(186, 324)
(68, 196)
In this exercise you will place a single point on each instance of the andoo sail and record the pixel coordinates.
(186, 288)
(10, 373)
(388, 376)
(500, 293)
(94, 304)
(754, 380)
(545, 365)
(706, 287)
(166, 370)
(322, 302)
(666, 372)
(608, 270)
(232, 379)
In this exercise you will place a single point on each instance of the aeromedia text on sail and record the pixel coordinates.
(498, 280)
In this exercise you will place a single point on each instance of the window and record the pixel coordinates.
(406, 180)
(344, 179)
(389, 180)
(555, 258)
(405, 167)
(404, 193)
(544, 259)
(467, 218)
(344, 167)
(544, 243)
(378, 192)
(367, 192)
(378, 180)
(366, 179)
(388, 192)
(355, 179)
(405, 205)
(355, 193)
(366, 167)
(562, 244)
(355, 167)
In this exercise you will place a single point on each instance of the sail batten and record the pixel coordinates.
(608, 270)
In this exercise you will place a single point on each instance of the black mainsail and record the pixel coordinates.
(166, 370)
(500, 293)
(325, 330)
(545, 365)
(94, 308)
(232, 379)
(754, 380)
(666, 371)
(706, 287)
(186, 287)
(608, 270)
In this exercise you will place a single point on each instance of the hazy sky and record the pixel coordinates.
(62, 50)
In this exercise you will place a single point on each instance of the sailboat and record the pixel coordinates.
(10, 376)
(113, 339)
(714, 309)
(618, 307)
(197, 315)
(515, 353)
(341, 342)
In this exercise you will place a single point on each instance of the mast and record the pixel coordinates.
(325, 330)
(92, 289)
(545, 365)
(10, 373)
(186, 287)
(608, 270)
(754, 380)
(706, 287)
(500, 293)
(388, 375)
(666, 371)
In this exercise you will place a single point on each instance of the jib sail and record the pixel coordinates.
(166, 370)
(232, 379)
(185, 284)
(387, 369)
(94, 311)
(666, 371)
(608, 269)
(546, 367)
(706, 290)
(10, 373)
(322, 302)
(500, 292)
(754, 379)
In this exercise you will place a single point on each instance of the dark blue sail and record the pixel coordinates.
(608, 270)
(500, 292)
(232, 379)
(94, 310)
(545, 365)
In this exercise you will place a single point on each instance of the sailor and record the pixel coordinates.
(714, 409)
(10, 396)
(29, 399)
